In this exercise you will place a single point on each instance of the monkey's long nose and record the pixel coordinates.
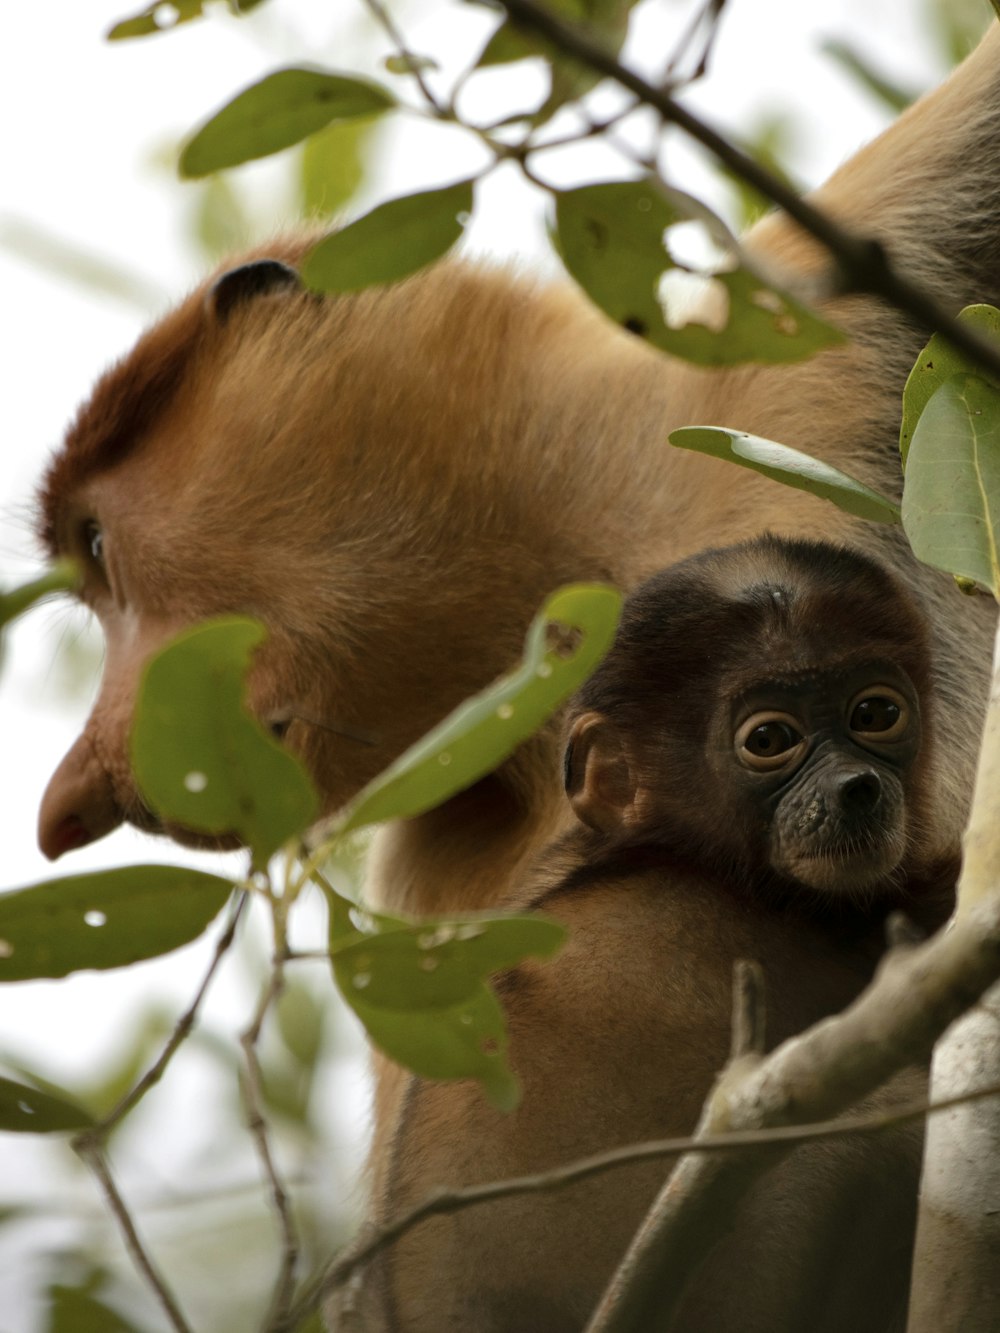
(79, 805)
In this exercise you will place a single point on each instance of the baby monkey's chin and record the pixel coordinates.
(849, 872)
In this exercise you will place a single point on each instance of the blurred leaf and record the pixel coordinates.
(768, 143)
(419, 988)
(611, 239)
(391, 242)
(282, 109)
(301, 1021)
(333, 166)
(937, 363)
(158, 17)
(791, 467)
(410, 63)
(861, 69)
(951, 494)
(65, 259)
(312, 1324)
(221, 223)
(77, 1310)
(199, 757)
(484, 730)
(28, 1110)
(135, 1051)
(107, 919)
(959, 25)
(167, 14)
(606, 20)
(61, 577)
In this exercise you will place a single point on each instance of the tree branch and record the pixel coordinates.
(864, 267)
(916, 995)
(443, 1202)
(90, 1150)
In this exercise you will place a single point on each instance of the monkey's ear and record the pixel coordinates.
(246, 283)
(600, 777)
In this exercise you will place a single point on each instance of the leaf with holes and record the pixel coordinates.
(567, 639)
(391, 242)
(156, 18)
(611, 239)
(200, 759)
(28, 1110)
(107, 919)
(787, 465)
(951, 495)
(938, 362)
(421, 990)
(282, 109)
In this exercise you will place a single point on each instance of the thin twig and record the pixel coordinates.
(181, 1030)
(89, 1145)
(862, 261)
(277, 1317)
(90, 1150)
(382, 16)
(709, 13)
(443, 1202)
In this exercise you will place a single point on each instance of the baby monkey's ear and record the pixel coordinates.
(602, 777)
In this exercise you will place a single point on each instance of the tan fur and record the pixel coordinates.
(394, 481)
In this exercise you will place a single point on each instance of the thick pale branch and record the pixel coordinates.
(917, 994)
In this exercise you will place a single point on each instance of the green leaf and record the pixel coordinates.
(107, 919)
(28, 1110)
(221, 224)
(436, 964)
(484, 730)
(282, 109)
(951, 494)
(420, 989)
(787, 465)
(468, 1040)
(78, 1310)
(937, 363)
(856, 63)
(611, 239)
(333, 166)
(60, 578)
(156, 18)
(390, 242)
(199, 757)
(605, 20)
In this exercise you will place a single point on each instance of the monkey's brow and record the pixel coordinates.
(362, 737)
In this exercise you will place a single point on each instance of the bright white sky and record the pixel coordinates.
(83, 123)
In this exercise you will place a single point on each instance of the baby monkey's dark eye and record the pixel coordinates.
(278, 727)
(881, 713)
(769, 740)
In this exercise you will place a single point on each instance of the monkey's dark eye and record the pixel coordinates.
(769, 740)
(278, 727)
(94, 541)
(880, 713)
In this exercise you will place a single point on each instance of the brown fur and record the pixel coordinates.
(394, 481)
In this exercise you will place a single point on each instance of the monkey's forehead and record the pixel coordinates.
(798, 674)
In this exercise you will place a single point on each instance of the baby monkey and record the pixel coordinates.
(762, 717)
